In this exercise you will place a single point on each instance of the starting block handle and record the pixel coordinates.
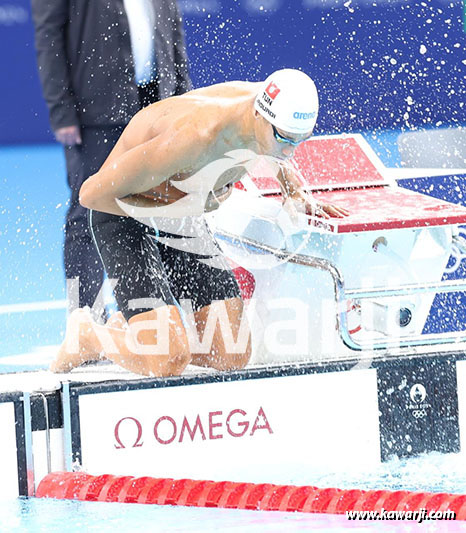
(342, 295)
(403, 290)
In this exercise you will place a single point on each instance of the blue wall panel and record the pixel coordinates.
(377, 63)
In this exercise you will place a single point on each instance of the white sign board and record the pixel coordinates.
(253, 430)
(8, 457)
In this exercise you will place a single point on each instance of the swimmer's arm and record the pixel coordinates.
(137, 171)
(290, 184)
(292, 189)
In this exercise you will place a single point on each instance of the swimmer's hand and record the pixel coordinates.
(304, 203)
(69, 135)
(318, 209)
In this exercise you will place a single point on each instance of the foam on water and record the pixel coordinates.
(432, 472)
(53, 515)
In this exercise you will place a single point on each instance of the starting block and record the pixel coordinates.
(362, 283)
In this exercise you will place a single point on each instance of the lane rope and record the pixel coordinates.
(233, 495)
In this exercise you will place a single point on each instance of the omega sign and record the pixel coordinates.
(211, 426)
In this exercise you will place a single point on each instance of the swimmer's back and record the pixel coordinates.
(191, 111)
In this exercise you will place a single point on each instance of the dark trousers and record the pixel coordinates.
(81, 258)
(82, 261)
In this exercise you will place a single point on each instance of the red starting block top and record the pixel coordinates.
(329, 163)
(390, 208)
(344, 172)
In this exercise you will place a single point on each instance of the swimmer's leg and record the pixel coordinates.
(223, 355)
(117, 320)
(136, 348)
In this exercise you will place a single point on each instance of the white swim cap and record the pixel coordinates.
(288, 100)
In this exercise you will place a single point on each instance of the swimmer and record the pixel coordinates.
(162, 147)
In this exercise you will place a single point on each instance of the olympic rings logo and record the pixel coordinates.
(457, 255)
(419, 413)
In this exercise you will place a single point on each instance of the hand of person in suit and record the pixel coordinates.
(69, 135)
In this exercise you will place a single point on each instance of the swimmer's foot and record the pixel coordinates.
(75, 349)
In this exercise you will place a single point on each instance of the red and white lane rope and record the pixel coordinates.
(226, 494)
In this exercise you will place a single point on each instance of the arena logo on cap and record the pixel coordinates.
(304, 116)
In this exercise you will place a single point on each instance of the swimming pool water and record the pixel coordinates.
(50, 516)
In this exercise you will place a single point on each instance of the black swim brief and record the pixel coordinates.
(146, 268)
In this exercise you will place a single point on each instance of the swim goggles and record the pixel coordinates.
(281, 139)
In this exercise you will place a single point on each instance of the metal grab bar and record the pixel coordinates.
(341, 297)
(403, 290)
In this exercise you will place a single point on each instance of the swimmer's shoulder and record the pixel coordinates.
(200, 110)
(222, 91)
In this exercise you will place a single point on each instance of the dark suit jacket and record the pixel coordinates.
(85, 59)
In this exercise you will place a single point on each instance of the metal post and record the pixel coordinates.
(67, 443)
(47, 432)
(28, 443)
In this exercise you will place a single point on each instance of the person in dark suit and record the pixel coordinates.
(99, 63)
